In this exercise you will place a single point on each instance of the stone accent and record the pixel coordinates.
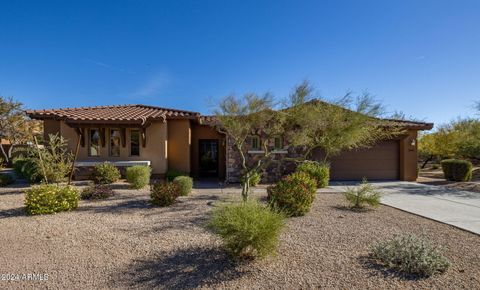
(275, 169)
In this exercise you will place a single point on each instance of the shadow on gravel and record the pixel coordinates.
(183, 269)
(14, 212)
(380, 270)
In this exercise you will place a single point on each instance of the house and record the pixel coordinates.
(171, 139)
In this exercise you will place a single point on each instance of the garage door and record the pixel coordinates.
(380, 162)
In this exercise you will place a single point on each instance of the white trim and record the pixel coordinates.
(280, 151)
(116, 163)
(255, 151)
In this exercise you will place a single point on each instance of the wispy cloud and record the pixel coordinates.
(99, 63)
(153, 85)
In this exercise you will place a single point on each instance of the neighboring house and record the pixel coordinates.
(170, 139)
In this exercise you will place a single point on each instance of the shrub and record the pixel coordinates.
(319, 172)
(27, 168)
(171, 174)
(138, 176)
(435, 166)
(6, 179)
(53, 166)
(410, 254)
(49, 198)
(248, 229)
(97, 192)
(105, 173)
(184, 184)
(457, 170)
(293, 194)
(254, 180)
(164, 194)
(364, 195)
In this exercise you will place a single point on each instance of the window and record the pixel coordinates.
(94, 142)
(115, 141)
(278, 143)
(255, 143)
(134, 142)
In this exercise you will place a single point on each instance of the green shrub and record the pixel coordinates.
(6, 179)
(435, 166)
(363, 195)
(97, 191)
(457, 170)
(27, 168)
(138, 176)
(410, 254)
(106, 173)
(171, 174)
(254, 180)
(50, 198)
(293, 194)
(319, 172)
(164, 194)
(184, 184)
(248, 230)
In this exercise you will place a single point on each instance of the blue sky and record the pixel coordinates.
(420, 57)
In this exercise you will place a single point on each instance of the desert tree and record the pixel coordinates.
(336, 125)
(15, 126)
(239, 118)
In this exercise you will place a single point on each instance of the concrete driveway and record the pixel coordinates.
(454, 207)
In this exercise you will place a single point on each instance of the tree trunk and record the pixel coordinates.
(426, 161)
(4, 153)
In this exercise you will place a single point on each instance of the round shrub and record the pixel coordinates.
(171, 174)
(293, 194)
(411, 255)
(97, 192)
(254, 180)
(50, 198)
(457, 170)
(164, 194)
(318, 171)
(184, 184)
(248, 230)
(27, 168)
(105, 173)
(138, 176)
(6, 179)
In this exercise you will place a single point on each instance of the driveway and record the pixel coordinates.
(454, 207)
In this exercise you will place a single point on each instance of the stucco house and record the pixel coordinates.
(171, 139)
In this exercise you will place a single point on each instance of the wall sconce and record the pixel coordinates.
(413, 142)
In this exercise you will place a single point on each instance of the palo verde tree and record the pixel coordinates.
(334, 126)
(241, 117)
(15, 127)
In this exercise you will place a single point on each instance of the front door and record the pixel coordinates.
(208, 154)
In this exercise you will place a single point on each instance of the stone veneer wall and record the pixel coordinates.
(273, 172)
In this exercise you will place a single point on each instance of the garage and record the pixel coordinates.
(381, 162)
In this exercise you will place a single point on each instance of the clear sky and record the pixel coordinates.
(420, 57)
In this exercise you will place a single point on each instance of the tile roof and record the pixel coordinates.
(120, 113)
(409, 124)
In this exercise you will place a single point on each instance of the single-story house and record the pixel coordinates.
(171, 139)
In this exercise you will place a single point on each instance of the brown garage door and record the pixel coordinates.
(377, 163)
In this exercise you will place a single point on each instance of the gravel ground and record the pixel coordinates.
(123, 242)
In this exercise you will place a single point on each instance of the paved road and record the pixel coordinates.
(454, 207)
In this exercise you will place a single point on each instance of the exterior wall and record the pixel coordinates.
(275, 170)
(207, 132)
(179, 145)
(409, 157)
(155, 149)
(50, 127)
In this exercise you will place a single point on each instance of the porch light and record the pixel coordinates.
(413, 142)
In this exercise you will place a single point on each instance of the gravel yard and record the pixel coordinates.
(124, 242)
